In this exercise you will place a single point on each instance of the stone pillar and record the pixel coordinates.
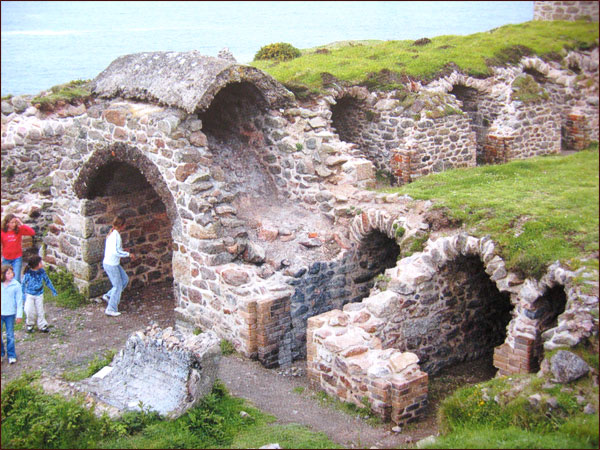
(409, 398)
(272, 323)
(577, 133)
(401, 165)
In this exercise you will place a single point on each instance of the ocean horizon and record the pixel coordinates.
(50, 43)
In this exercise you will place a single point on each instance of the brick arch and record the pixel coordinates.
(132, 156)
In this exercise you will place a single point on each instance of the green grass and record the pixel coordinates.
(227, 347)
(360, 62)
(498, 414)
(92, 367)
(348, 408)
(538, 210)
(70, 92)
(32, 419)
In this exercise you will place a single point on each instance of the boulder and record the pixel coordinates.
(567, 366)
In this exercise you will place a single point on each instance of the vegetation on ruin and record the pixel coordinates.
(33, 419)
(525, 89)
(75, 91)
(537, 210)
(500, 413)
(387, 64)
(68, 294)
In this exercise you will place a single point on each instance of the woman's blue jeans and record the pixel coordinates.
(119, 280)
(9, 323)
(16, 264)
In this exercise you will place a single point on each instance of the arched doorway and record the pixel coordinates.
(120, 180)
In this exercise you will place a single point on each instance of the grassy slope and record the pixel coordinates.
(538, 210)
(353, 61)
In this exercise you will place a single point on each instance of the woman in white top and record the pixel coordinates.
(113, 252)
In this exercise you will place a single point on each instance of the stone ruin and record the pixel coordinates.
(162, 370)
(253, 206)
(158, 370)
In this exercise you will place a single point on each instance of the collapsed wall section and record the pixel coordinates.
(454, 301)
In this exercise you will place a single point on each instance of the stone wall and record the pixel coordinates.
(325, 286)
(565, 10)
(344, 362)
(453, 301)
(535, 133)
(434, 146)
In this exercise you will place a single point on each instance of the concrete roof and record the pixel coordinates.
(187, 80)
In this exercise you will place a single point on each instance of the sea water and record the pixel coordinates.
(49, 43)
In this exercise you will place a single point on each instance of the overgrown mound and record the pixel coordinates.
(74, 93)
(280, 51)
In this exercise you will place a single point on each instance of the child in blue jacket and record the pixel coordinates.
(12, 308)
(33, 291)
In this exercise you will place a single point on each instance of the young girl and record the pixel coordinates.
(12, 233)
(33, 291)
(113, 252)
(12, 306)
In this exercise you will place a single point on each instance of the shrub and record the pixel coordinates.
(280, 51)
(32, 419)
(68, 294)
(9, 173)
(226, 347)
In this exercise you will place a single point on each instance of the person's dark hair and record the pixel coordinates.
(33, 262)
(118, 222)
(5, 221)
(6, 268)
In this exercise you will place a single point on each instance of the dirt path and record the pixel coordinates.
(77, 336)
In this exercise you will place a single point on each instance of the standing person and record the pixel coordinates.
(33, 291)
(113, 252)
(12, 232)
(12, 307)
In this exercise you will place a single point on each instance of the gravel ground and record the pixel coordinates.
(76, 336)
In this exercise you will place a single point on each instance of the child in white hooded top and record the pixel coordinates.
(113, 252)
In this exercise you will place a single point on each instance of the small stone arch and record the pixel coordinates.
(123, 153)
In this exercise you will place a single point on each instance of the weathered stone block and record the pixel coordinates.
(181, 367)
(92, 250)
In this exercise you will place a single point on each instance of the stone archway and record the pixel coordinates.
(479, 117)
(120, 180)
(349, 118)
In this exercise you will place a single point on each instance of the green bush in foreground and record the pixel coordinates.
(33, 419)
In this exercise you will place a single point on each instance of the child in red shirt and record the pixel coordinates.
(12, 233)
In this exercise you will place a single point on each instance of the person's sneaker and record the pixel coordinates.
(112, 313)
(44, 330)
(106, 298)
(12, 360)
(29, 329)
